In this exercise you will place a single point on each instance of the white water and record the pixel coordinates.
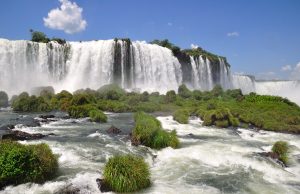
(288, 89)
(243, 82)
(209, 160)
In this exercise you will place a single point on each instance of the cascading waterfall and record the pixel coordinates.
(244, 82)
(288, 89)
(25, 64)
(132, 65)
(201, 77)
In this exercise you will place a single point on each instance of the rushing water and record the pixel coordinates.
(209, 160)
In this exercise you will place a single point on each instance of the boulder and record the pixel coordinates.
(20, 135)
(7, 127)
(113, 130)
(46, 116)
(102, 186)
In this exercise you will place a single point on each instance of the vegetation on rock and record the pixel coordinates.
(281, 148)
(149, 132)
(216, 107)
(181, 116)
(126, 173)
(26, 163)
(37, 36)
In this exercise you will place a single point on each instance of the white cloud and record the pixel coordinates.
(233, 34)
(194, 46)
(170, 24)
(295, 75)
(67, 18)
(286, 68)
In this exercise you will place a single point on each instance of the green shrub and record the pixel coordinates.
(126, 173)
(220, 117)
(281, 148)
(147, 107)
(181, 116)
(97, 116)
(110, 92)
(37, 36)
(26, 103)
(3, 99)
(82, 98)
(112, 106)
(164, 139)
(25, 163)
(184, 92)
(81, 111)
(170, 96)
(149, 132)
(144, 97)
(217, 91)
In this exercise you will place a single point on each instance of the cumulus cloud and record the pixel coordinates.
(233, 34)
(295, 75)
(286, 68)
(194, 46)
(67, 18)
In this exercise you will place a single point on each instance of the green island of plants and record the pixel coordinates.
(149, 132)
(281, 148)
(26, 163)
(217, 107)
(181, 116)
(126, 173)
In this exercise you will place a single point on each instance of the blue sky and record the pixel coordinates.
(259, 37)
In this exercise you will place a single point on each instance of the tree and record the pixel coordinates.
(37, 36)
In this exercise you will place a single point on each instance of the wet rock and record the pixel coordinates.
(32, 123)
(20, 135)
(113, 130)
(7, 127)
(191, 135)
(102, 186)
(69, 189)
(46, 116)
(273, 156)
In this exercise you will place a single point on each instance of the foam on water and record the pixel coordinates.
(209, 160)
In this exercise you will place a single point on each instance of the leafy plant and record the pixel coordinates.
(127, 173)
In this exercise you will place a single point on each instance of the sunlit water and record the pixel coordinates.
(209, 160)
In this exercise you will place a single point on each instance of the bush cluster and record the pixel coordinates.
(281, 148)
(181, 116)
(262, 111)
(149, 132)
(26, 163)
(127, 173)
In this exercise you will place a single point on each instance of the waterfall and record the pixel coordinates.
(244, 82)
(288, 89)
(201, 73)
(25, 64)
(225, 75)
(132, 65)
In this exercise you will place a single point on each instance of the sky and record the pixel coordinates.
(258, 37)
